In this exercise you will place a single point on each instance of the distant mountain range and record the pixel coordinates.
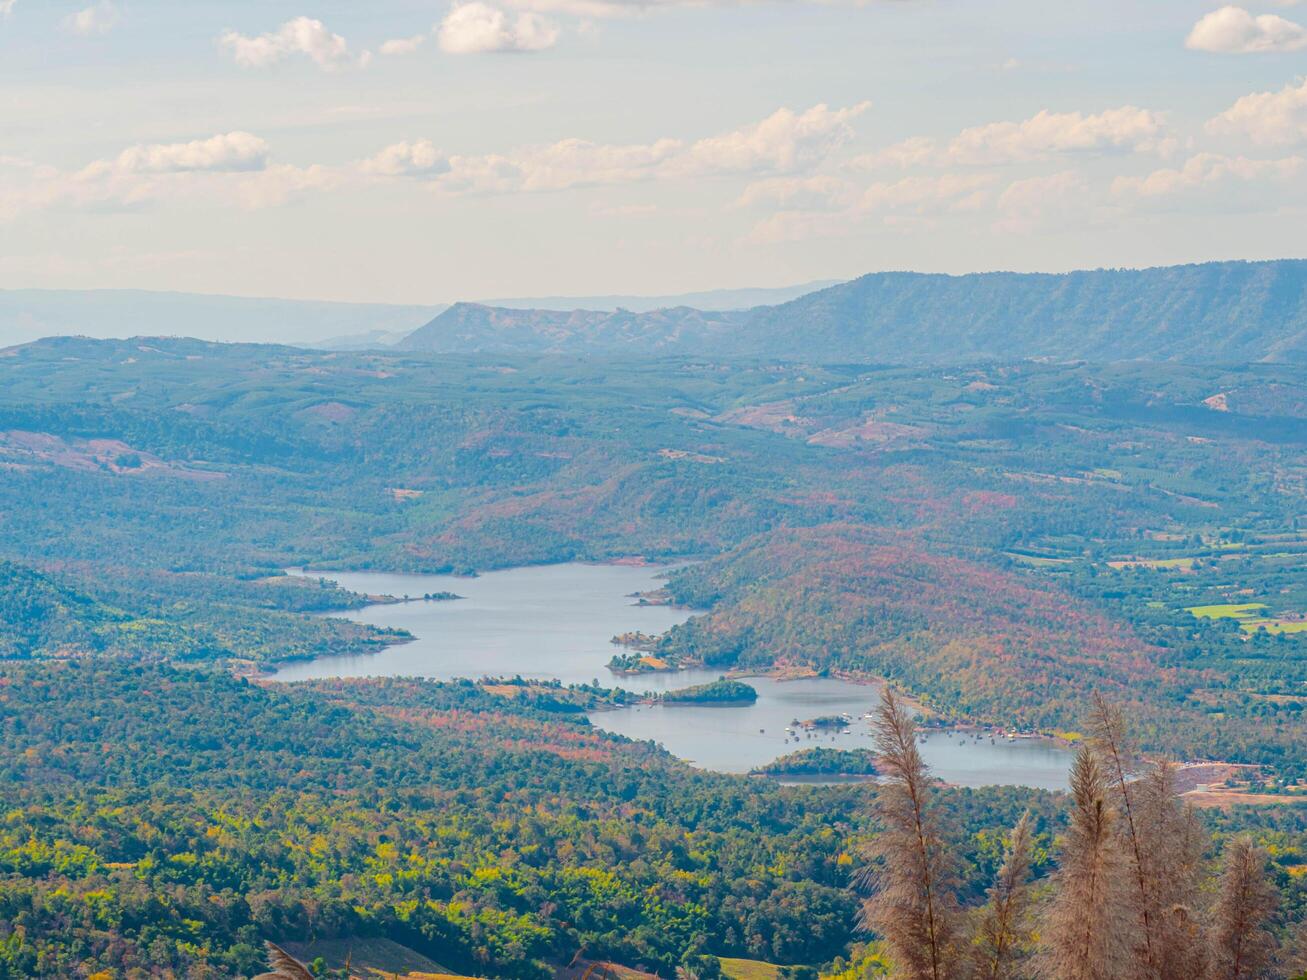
(28, 314)
(711, 300)
(1215, 312)
(1219, 311)
(477, 328)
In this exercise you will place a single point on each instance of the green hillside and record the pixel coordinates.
(1002, 539)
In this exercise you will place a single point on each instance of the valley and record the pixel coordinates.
(630, 490)
(551, 623)
(999, 541)
(1026, 533)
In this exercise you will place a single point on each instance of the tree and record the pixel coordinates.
(1240, 942)
(284, 966)
(1004, 933)
(1089, 931)
(1118, 758)
(1296, 955)
(914, 900)
(1171, 858)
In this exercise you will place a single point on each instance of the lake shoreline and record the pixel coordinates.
(555, 623)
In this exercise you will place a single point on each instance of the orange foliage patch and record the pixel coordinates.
(513, 733)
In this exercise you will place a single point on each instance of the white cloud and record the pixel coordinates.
(1044, 136)
(419, 159)
(230, 152)
(478, 28)
(1047, 134)
(303, 35)
(230, 169)
(98, 18)
(1266, 118)
(912, 152)
(910, 200)
(1034, 203)
(402, 45)
(276, 185)
(627, 8)
(1208, 172)
(1233, 30)
(785, 142)
(562, 165)
(7, 7)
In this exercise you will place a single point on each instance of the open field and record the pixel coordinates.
(1276, 625)
(371, 957)
(1236, 610)
(1184, 563)
(749, 970)
(1227, 799)
(1247, 615)
(584, 969)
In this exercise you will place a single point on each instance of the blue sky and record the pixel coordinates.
(423, 152)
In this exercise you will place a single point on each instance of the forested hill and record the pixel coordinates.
(479, 329)
(1220, 312)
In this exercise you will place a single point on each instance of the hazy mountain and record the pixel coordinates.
(715, 300)
(1215, 312)
(372, 340)
(1221, 311)
(474, 328)
(26, 314)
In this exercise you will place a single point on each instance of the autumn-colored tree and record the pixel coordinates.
(1171, 860)
(914, 903)
(1241, 945)
(1295, 957)
(1121, 765)
(1004, 932)
(1089, 930)
(1126, 899)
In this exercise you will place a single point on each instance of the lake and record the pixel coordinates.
(556, 621)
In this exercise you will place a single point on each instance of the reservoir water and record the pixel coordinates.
(557, 621)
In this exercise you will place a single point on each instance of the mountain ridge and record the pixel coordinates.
(1226, 311)
(114, 313)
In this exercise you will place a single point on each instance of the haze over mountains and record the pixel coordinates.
(714, 300)
(1216, 312)
(28, 314)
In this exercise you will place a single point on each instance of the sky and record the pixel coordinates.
(422, 152)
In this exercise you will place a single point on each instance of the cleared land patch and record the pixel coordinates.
(749, 969)
(1249, 617)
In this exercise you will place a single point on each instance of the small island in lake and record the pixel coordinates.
(393, 600)
(655, 597)
(825, 722)
(636, 640)
(822, 762)
(637, 663)
(717, 692)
